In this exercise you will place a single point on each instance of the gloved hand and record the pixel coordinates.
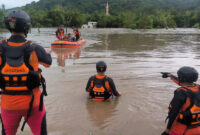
(165, 74)
(164, 133)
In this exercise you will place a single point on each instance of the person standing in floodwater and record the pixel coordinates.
(21, 78)
(100, 86)
(184, 109)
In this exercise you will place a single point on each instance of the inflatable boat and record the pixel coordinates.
(63, 43)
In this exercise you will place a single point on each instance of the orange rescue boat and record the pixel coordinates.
(63, 43)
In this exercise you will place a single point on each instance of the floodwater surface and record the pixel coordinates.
(134, 59)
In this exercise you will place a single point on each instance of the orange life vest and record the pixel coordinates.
(99, 89)
(61, 32)
(17, 76)
(188, 119)
(191, 116)
(74, 31)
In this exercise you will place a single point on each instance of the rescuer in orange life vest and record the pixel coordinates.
(184, 109)
(76, 34)
(20, 77)
(100, 86)
(60, 32)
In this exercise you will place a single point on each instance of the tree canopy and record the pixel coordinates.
(123, 13)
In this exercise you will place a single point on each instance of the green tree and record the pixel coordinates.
(2, 14)
(170, 23)
(57, 15)
(123, 13)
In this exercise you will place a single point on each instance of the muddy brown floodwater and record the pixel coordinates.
(135, 59)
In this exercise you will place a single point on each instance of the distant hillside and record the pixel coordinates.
(88, 6)
(142, 14)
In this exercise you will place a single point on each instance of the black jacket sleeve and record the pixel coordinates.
(43, 57)
(88, 84)
(112, 86)
(176, 104)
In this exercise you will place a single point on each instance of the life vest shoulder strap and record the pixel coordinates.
(189, 91)
(24, 46)
(103, 81)
(191, 95)
(27, 55)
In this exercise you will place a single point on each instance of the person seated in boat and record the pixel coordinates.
(65, 37)
(76, 33)
(60, 32)
(69, 37)
(100, 86)
(73, 38)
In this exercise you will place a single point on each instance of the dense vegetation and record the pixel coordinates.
(123, 13)
(2, 13)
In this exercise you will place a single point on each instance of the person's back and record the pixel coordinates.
(100, 86)
(21, 77)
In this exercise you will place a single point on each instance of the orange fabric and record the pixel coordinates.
(101, 77)
(21, 102)
(180, 128)
(174, 80)
(61, 31)
(12, 70)
(16, 88)
(65, 37)
(17, 44)
(34, 61)
(45, 65)
(6, 78)
(15, 78)
(106, 85)
(24, 78)
(74, 31)
(100, 99)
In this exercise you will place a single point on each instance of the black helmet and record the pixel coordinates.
(187, 74)
(101, 66)
(17, 21)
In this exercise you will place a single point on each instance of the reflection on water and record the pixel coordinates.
(135, 59)
(101, 112)
(66, 53)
